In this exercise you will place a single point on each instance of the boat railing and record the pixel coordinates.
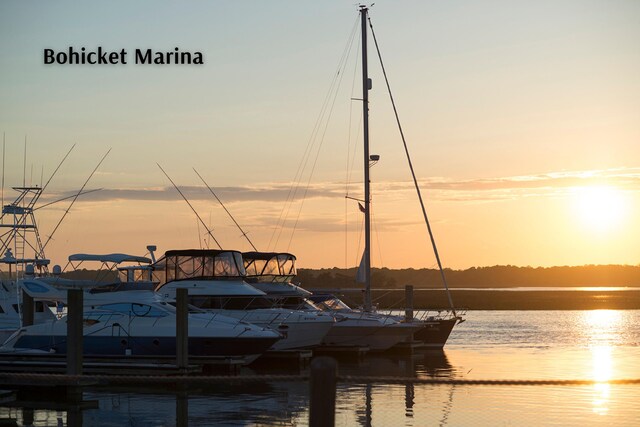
(426, 315)
(269, 319)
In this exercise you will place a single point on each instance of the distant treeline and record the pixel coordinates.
(499, 276)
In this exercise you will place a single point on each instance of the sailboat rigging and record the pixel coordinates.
(366, 87)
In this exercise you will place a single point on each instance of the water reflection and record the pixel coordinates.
(374, 403)
(600, 345)
(603, 328)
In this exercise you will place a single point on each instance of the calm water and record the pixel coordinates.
(596, 345)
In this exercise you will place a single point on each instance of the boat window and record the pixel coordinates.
(40, 307)
(279, 268)
(287, 265)
(223, 266)
(220, 265)
(335, 304)
(271, 267)
(205, 302)
(247, 303)
(135, 274)
(251, 267)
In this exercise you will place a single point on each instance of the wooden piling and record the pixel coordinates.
(75, 343)
(182, 407)
(322, 405)
(408, 298)
(75, 346)
(182, 329)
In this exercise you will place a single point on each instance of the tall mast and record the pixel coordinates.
(366, 86)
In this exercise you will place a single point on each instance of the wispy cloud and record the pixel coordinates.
(436, 188)
(552, 184)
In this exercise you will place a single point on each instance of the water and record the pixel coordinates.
(597, 345)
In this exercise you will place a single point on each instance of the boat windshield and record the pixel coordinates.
(203, 264)
(270, 267)
(332, 304)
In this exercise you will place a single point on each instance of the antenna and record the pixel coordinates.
(226, 210)
(24, 163)
(4, 135)
(75, 197)
(194, 211)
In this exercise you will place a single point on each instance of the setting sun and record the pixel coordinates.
(600, 208)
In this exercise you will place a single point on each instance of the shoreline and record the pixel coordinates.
(424, 299)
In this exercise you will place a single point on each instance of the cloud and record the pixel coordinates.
(551, 184)
(265, 193)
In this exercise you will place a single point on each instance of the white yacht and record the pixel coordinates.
(136, 322)
(215, 280)
(272, 273)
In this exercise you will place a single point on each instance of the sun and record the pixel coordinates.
(600, 208)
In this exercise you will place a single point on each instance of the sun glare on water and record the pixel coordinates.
(600, 208)
(603, 327)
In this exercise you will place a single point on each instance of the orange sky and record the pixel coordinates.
(523, 120)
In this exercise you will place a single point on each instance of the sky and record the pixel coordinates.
(522, 119)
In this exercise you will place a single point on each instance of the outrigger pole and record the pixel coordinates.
(191, 206)
(244, 234)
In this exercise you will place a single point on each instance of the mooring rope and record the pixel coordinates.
(62, 379)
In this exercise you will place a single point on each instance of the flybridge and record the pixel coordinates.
(100, 56)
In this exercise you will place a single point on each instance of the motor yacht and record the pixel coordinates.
(135, 322)
(215, 280)
(272, 272)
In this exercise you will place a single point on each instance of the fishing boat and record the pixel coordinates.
(215, 280)
(22, 251)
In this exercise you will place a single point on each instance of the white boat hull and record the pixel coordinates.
(299, 329)
(377, 336)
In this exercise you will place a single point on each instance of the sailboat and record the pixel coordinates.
(435, 330)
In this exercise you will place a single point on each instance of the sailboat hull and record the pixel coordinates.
(434, 334)
(375, 337)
